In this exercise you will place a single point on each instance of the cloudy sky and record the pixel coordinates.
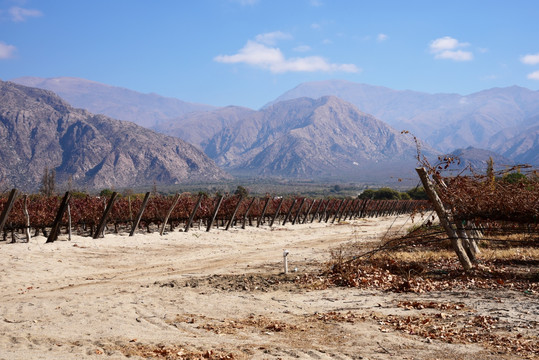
(248, 52)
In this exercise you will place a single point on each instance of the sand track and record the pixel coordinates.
(147, 295)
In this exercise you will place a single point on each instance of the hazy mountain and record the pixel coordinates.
(38, 129)
(524, 146)
(198, 128)
(446, 121)
(476, 160)
(145, 110)
(303, 138)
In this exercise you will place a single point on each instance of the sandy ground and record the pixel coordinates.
(169, 296)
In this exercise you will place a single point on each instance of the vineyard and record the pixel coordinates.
(89, 215)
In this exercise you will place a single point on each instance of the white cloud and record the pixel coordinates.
(316, 3)
(315, 26)
(534, 75)
(457, 55)
(447, 48)
(261, 55)
(6, 51)
(532, 59)
(19, 14)
(382, 37)
(302, 48)
(272, 37)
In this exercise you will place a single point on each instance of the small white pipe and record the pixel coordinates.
(285, 260)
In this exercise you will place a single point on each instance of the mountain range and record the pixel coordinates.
(323, 130)
(503, 120)
(493, 119)
(123, 104)
(40, 130)
(300, 138)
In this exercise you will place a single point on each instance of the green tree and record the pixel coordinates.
(367, 194)
(240, 190)
(514, 177)
(418, 193)
(386, 194)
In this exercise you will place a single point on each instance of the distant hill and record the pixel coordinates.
(301, 138)
(524, 146)
(445, 121)
(38, 129)
(476, 160)
(146, 110)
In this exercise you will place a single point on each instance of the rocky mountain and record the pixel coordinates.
(38, 129)
(445, 121)
(302, 138)
(146, 110)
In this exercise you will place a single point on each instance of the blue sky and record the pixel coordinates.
(247, 52)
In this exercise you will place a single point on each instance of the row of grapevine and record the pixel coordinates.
(86, 212)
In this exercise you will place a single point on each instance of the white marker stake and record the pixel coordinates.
(285, 259)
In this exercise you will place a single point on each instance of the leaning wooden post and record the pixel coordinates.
(174, 202)
(247, 213)
(27, 217)
(58, 220)
(299, 211)
(456, 242)
(276, 212)
(106, 213)
(338, 210)
(139, 215)
(323, 213)
(289, 211)
(214, 215)
(234, 213)
(308, 211)
(263, 212)
(192, 216)
(7, 208)
(317, 209)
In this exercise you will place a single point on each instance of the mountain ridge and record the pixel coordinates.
(42, 130)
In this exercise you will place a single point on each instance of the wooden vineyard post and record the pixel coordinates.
(289, 211)
(234, 213)
(317, 209)
(347, 204)
(58, 220)
(299, 211)
(456, 242)
(219, 202)
(193, 213)
(174, 202)
(338, 210)
(7, 208)
(263, 212)
(27, 217)
(106, 213)
(363, 208)
(276, 212)
(308, 211)
(247, 213)
(323, 214)
(139, 215)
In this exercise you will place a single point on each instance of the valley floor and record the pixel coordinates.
(220, 295)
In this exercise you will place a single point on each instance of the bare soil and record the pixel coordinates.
(222, 295)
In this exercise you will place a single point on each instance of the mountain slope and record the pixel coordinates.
(38, 129)
(306, 138)
(446, 121)
(146, 110)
